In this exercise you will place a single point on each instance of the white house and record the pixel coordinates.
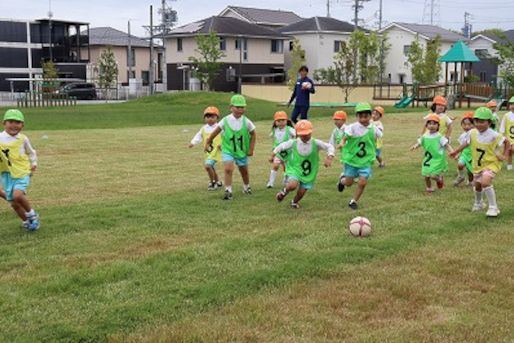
(401, 36)
(252, 53)
(320, 37)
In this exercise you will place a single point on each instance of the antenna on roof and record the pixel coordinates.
(431, 12)
(50, 13)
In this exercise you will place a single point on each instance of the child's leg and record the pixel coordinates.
(299, 195)
(245, 176)
(347, 181)
(229, 171)
(487, 187)
(19, 211)
(273, 174)
(291, 185)
(509, 159)
(210, 171)
(361, 184)
(428, 183)
(2, 194)
(21, 200)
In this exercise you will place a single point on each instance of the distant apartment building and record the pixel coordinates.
(25, 44)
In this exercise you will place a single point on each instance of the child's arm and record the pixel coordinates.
(449, 128)
(506, 151)
(457, 151)
(253, 138)
(213, 135)
(281, 147)
(417, 145)
(329, 148)
(32, 154)
(197, 139)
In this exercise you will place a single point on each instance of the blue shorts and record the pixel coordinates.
(240, 162)
(10, 184)
(354, 172)
(210, 163)
(378, 152)
(303, 185)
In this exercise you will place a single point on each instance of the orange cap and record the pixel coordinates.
(433, 117)
(491, 104)
(468, 115)
(303, 128)
(341, 115)
(440, 100)
(280, 115)
(380, 110)
(212, 110)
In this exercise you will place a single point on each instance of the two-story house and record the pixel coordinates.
(483, 45)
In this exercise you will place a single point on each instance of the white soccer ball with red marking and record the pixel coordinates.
(360, 227)
(306, 85)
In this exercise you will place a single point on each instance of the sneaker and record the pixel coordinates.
(219, 184)
(477, 207)
(212, 186)
(440, 182)
(492, 212)
(340, 185)
(25, 224)
(269, 185)
(294, 205)
(381, 165)
(247, 191)
(227, 195)
(458, 180)
(353, 204)
(281, 195)
(429, 190)
(33, 223)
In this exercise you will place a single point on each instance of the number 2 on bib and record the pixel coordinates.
(428, 157)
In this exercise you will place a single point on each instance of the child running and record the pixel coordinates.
(486, 159)
(359, 152)
(464, 163)
(281, 131)
(336, 137)
(507, 129)
(303, 164)
(434, 162)
(493, 106)
(376, 116)
(18, 160)
(238, 142)
(439, 107)
(213, 155)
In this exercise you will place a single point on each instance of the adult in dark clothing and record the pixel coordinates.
(302, 91)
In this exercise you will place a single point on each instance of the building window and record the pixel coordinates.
(223, 43)
(483, 76)
(131, 57)
(131, 74)
(406, 49)
(277, 46)
(291, 46)
(482, 53)
(145, 76)
(337, 45)
(179, 44)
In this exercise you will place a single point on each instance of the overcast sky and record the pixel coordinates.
(116, 13)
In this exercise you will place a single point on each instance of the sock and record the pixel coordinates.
(272, 177)
(491, 196)
(461, 172)
(30, 214)
(245, 187)
(478, 196)
(228, 188)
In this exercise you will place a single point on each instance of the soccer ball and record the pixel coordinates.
(360, 227)
(306, 85)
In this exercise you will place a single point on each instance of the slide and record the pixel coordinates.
(404, 102)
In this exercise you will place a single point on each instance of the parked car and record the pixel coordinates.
(82, 91)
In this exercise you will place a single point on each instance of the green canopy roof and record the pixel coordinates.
(459, 52)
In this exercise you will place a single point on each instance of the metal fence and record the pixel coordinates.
(42, 99)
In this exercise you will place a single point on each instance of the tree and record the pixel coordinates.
(425, 67)
(107, 71)
(505, 49)
(49, 76)
(207, 65)
(297, 60)
(366, 48)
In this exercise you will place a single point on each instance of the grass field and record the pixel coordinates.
(133, 247)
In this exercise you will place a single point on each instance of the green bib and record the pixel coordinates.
(283, 155)
(235, 143)
(360, 152)
(434, 162)
(303, 168)
(465, 155)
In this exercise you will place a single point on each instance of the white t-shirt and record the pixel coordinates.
(359, 130)
(280, 133)
(485, 137)
(236, 123)
(463, 138)
(337, 130)
(198, 138)
(509, 115)
(305, 149)
(442, 143)
(25, 149)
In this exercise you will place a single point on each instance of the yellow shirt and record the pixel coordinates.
(215, 151)
(11, 158)
(483, 154)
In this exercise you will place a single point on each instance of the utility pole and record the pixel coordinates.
(380, 11)
(328, 8)
(431, 12)
(151, 67)
(129, 53)
(356, 7)
(467, 29)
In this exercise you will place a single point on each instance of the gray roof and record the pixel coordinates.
(224, 26)
(431, 31)
(113, 37)
(319, 24)
(509, 35)
(265, 16)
